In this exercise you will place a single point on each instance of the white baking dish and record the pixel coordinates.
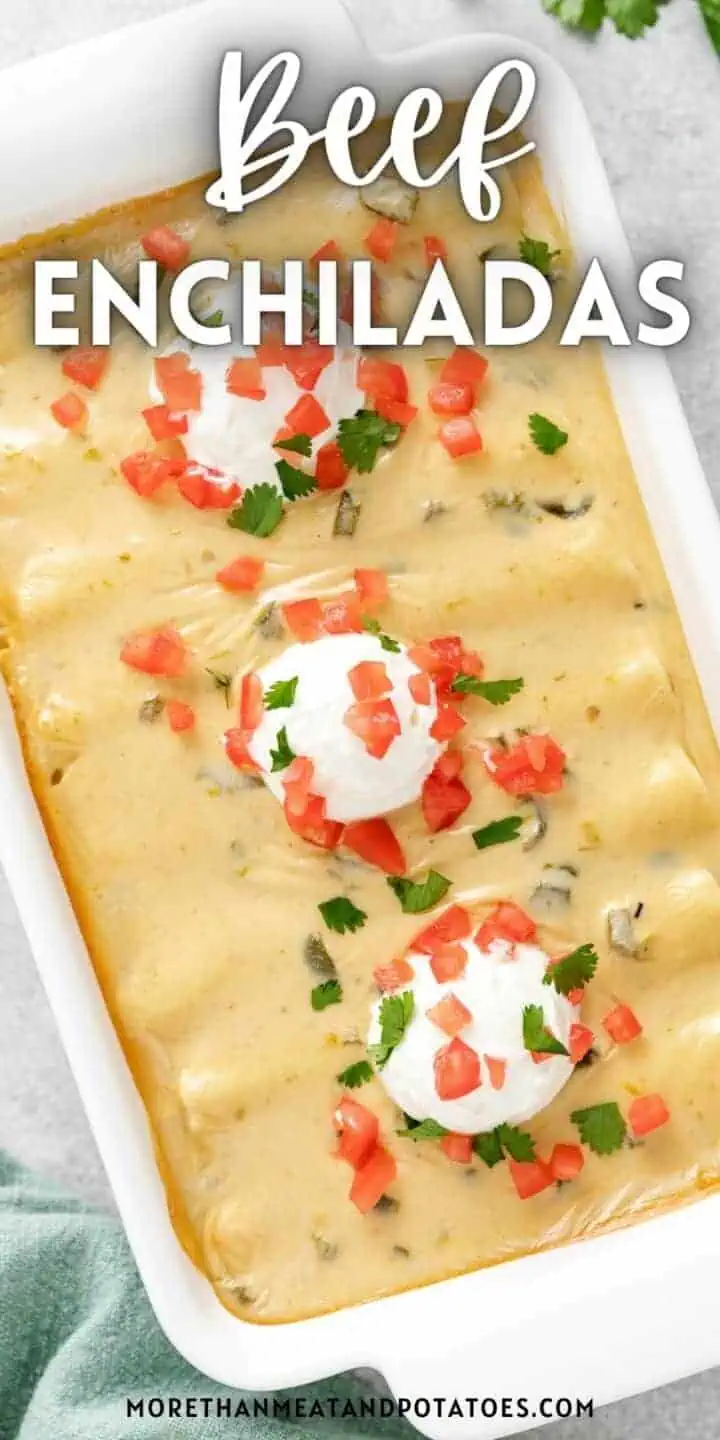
(612, 1316)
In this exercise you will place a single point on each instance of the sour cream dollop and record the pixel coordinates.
(495, 987)
(234, 435)
(355, 785)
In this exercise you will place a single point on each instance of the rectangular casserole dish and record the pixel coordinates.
(565, 1322)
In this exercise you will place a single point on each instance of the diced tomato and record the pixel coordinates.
(358, 1130)
(506, 922)
(622, 1025)
(341, 616)
(580, 1042)
(312, 824)
(166, 246)
(70, 411)
(329, 250)
(397, 411)
(447, 723)
(450, 764)
(146, 472)
(244, 378)
(394, 975)
(237, 751)
(297, 784)
(448, 962)
(369, 679)
(464, 367)
(155, 652)
(455, 923)
(535, 764)
(444, 658)
(647, 1113)
(164, 423)
(199, 490)
(450, 1015)
(444, 799)
(372, 588)
(271, 352)
(304, 618)
(420, 687)
(530, 1177)
(435, 248)
(460, 437)
(306, 362)
(373, 1179)
(307, 417)
(331, 470)
(167, 367)
(497, 1070)
(566, 1162)
(182, 388)
(251, 702)
(86, 365)
(375, 842)
(180, 716)
(380, 241)
(376, 723)
(577, 995)
(447, 398)
(457, 1070)
(382, 377)
(243, 573)
(457, 1148)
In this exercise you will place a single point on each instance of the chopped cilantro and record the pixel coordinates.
(396, 1012)
(296, 445)
(498, 832)
(356, 1075)
(630, 17)
(573, 971)
(281, 695)
(215, 319)
(537, 253)
(545, 434)
(362, 436)
(295, 483)
(340, 914)
(504, 1139)
(602, 1127)
(415, 897)
(488, 1147)
(496, 692)
(424, 1130)
(536, 1036)
(284, 755)
(259, 512)
(372, 626)
(329, 992)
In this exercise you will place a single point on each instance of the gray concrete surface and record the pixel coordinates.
(655, 105)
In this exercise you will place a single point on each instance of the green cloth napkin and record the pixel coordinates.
(78, 1337)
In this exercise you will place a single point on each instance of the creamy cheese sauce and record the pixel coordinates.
(194, 896)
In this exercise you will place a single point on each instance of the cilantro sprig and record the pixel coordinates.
(630, 17)
(259, 512)
(417, 896)
(494, 1145)
(372, 626)
(573, 971)
(546, 436)
(536, 1036)
(363, 435)
(423, 1130)
(356, 1075)
(284, 754)
(538, 254)
(281, 694)
(496, 692)
(601, 1127)
(396, 1012)
(340, 914)
(498, 832)
(295, 483)
(295, 445)
(328, 992)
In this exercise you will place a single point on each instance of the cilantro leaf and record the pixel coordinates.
(496, 692)
(710, 11)
(536, 1036)
(259, 512)
(545, 434)
(602, 1127)
(281, 695)
(516, 1143)
(356, 1075)
(284, 755)
(585, 15)
(415, 897)
(396, 1012)
(329, 992)
(498, 832)
(340, 914)
(488, 1147)
(537, 253)
(424, 1130)
(362, 436)
(573, 971)
(296, 445)
(633, 17)
(372, 626)
(215, 319)
(295, 483)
